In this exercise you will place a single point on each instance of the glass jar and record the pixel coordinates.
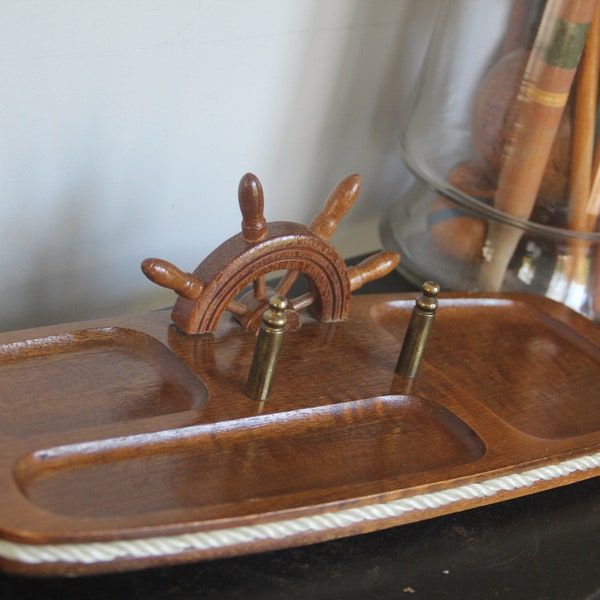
(501, 139)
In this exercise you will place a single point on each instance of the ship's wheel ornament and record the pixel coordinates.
(246, 259)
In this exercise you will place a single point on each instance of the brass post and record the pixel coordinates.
(266, 350)
(420, 324)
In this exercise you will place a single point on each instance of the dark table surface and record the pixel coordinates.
(543, 546)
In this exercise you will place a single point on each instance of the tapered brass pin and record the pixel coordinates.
(419, 327)
(266, 350)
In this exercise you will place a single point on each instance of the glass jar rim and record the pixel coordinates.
(484, 210)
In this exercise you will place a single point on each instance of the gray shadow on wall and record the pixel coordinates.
(67, 275)
(364, 105)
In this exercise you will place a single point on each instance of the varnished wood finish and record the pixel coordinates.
(252, 205)
(262, 248)
(169, 276)
(127, 428)
(338, 203)
(236, 264)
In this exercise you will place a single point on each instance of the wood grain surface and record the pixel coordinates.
(126, 429)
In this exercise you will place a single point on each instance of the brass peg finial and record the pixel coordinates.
(266, 350)
(420, 324)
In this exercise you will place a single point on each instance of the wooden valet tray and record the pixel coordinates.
(125, 443)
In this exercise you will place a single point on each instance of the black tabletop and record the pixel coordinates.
(543, 546)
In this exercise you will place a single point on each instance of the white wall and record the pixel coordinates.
(125, 126)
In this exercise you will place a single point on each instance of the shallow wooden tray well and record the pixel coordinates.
(125, 443)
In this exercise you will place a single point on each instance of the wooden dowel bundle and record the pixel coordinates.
(538, 109)
(582, 155)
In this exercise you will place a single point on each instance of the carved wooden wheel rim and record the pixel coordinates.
(263, 248)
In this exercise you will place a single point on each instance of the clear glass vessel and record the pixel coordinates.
(501, 138)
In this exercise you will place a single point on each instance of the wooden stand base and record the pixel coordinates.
(125, 443)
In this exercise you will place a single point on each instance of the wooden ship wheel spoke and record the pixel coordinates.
(244, 262)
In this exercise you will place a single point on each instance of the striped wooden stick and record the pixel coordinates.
(582, 151)
(543, 94)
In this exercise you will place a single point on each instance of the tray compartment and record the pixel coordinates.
(533, 372)
(89, 378)
(227, 469)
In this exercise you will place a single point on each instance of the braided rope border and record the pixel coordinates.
(95, 552)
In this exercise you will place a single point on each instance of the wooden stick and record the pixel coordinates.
(518, 23)
(593, 223)
(325, 222)
(539, 107)
(582, 151)
(592, 209)
(595, 283)
(254, 226)
(167, 275)
(597, 149)
(593, 204)
(582, 154)
(375, 266)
